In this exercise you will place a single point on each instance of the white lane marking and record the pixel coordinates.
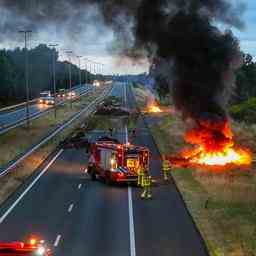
(126, 135)
(131, 224)
(57, 240)
(125, 94)
(29, 187)
(79, 186)
(70, 208)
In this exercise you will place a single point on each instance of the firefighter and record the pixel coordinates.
(111, 132)
(134, 133)
(147, 184)
(141, 175)
(166, 169)
(92, 169)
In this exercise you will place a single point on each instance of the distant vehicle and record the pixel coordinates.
(71, 94)
(61, 93)
(33, 247)
(114, 162)
(46, 98)
(98, 83)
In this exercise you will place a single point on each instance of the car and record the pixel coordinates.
(31, 248)
(71, 94)
(49, 100)
(61, 93)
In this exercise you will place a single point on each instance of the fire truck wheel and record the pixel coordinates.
(108, 181)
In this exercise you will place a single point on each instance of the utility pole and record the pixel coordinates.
(70, 77)
(86, 74)
(79, 64)
(26, 33)
(54, 75)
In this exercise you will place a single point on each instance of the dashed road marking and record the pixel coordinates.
(79, 186)
(57, 240)
(70, 208)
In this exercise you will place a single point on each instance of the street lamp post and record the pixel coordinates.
(54, 75)
(70, 77)
(85, 70)
(26, 33)
(79, 64)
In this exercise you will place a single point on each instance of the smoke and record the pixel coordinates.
(183, 40)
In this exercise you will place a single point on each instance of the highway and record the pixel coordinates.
(81, 217)
(12, 117)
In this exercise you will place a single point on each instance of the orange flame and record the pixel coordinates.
(154, 109)
(215, 146)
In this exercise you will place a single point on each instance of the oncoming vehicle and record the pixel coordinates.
(61, 93)
(47, 101)
(46, 98)
(114, 162)
(31, 248)
(98, 83)
(71, 94)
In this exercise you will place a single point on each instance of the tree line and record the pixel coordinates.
(12, 73)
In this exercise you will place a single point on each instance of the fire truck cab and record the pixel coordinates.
(114, 162)
(33, 247)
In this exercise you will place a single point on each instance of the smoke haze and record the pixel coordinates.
(181, 38)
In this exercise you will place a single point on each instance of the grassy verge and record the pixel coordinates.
(26, 168)
(222, 204)
(18, 140)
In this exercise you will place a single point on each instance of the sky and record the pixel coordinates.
(247, 36)
(94, 41)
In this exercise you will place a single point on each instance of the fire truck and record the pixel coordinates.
(32, 247)
(114, 162)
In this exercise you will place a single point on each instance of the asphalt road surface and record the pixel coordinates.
(12, 117)
(81, 217)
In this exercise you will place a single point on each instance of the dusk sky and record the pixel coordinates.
(93, 42)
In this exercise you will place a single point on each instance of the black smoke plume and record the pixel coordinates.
(182, 38)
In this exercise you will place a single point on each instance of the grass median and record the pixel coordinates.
(11, 182)
(222, 204)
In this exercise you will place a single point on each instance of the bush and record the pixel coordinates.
(245, 111)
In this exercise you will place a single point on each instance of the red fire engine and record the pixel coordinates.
(33, 247)
(114, 162)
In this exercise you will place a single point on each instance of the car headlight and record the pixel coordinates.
(47, 102)
(40, 251)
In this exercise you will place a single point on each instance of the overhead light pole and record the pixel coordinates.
(85, 68)
(79, 64)
(26, 34)
(54, 75)
(70, 76)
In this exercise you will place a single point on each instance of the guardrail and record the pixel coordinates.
(23, 104)
(6, 128)
(13, 107)
(91, 107)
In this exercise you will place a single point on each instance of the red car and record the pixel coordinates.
(32, 248)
